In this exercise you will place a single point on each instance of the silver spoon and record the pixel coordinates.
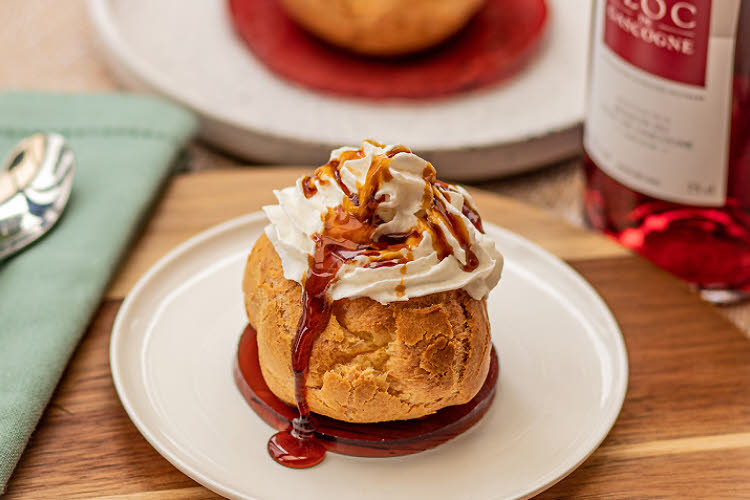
(35, 184)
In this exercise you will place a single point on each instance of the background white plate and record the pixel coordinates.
(563, 376)
(188, 51)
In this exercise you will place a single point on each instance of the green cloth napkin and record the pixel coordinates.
(125, 146)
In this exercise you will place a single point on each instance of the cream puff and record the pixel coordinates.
(382, 27)
(387, 270)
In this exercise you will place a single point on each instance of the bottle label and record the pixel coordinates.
(660, 96)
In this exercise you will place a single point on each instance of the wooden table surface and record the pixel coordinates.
(684, 430)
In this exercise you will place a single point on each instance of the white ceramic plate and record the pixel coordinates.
(188, 51)
(562, 382)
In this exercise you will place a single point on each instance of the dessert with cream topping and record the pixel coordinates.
(367, 292)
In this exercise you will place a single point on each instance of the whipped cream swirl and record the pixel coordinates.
(420, 236)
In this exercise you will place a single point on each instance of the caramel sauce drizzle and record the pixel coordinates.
(308, 188)
(348, 234)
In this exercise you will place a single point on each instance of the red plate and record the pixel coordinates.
(494, 46)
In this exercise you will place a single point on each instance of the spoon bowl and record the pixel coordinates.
(36, 180)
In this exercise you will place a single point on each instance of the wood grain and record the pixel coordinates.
(684, 430)
(689, 366)
(720, 474)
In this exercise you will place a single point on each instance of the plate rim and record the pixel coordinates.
(549, 479)
(563, 137)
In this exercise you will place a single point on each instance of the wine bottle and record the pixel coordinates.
(667, 136)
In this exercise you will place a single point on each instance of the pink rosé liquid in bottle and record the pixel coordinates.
(667, 137)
